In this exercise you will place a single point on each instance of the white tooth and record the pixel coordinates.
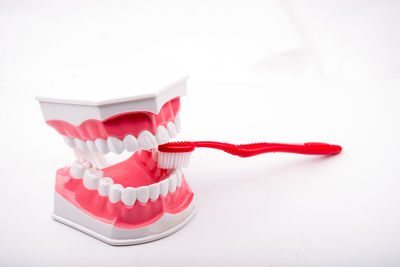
(128, 196)
(80, 144)
(91, 178)
(146, 140)
(104, 186)
(114, 195)
(142, 194)
(69, 141)
(164, 187)
(130, 143)
(91, 146)
(172, 183)
(178, 122)
(171, 129)
(154, 191)
(154, 154)
(162, 135)
(101, 145)
(78, 168)
(115, 145)
(178, 177)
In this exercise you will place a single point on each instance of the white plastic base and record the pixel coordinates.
(68, 214)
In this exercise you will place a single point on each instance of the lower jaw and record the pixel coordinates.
(67, 213)
(117, 223)
(118, 214)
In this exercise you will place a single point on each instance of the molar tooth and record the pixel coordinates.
(146, 140)
(91, 178)
(78, 168)
(69, 141)
(171, 129)
(114, 195)
(80, 144)
(101, 145)
(142, 194)
(91, 146)
(178, 173)
(130, 143)
(162, 135)
(172, 183)
(115, 145)
(154, 191)
(164, 187)
(128, 196)
(104, 186)
(178, 122)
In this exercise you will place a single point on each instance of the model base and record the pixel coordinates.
(68, 214)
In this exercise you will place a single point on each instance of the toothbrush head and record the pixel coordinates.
(175, 155)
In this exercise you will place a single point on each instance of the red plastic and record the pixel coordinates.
(138, 170)
(249, 150)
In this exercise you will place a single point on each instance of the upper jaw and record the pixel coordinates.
(131, 123)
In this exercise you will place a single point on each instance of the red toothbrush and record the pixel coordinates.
(177, 154)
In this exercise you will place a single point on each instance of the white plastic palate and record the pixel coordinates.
(91, 96)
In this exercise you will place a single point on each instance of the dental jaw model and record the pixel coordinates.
(132, 201)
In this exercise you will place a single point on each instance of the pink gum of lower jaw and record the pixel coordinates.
(118, 214)
(138, 170)
(119, 125)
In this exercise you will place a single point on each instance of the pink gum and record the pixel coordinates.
(119, 125)
(138, 170)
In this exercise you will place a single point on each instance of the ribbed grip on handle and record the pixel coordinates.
(248, 150)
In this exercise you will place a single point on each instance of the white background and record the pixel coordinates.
(260, 71)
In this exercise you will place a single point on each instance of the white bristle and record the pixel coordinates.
(168, 160)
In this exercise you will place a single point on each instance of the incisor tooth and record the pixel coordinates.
(91, 178)
(162, 135)
(115, 145)
(142, 194)
(91, 146)
(114, 194)
(146, 140)
(164, 187)
(78, 168)
(101, 145)
(130, 143)
(154, 191)
(128, 196)
(178, 177)
(178, 122)
(69, 141)
(171, 129)
(80, 144)
(104, 186)
(172, 183)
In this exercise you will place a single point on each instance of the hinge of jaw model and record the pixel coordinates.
(132, 201)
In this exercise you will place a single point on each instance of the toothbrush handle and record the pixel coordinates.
(249, 150)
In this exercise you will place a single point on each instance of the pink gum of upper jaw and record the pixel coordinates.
(119, 125)
(118, 214)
